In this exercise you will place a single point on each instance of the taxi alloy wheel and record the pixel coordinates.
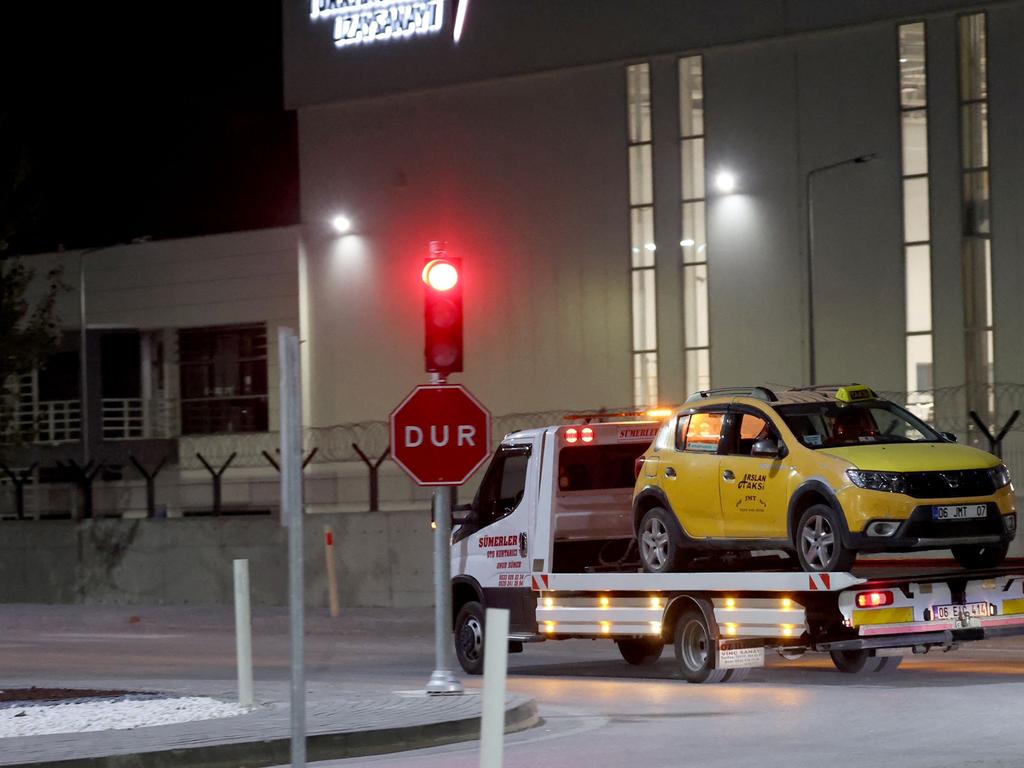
(819, 541)
(659, 550)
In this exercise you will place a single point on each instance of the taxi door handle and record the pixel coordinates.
(729, 475)
(670, 472)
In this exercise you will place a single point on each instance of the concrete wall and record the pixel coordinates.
(382, 558)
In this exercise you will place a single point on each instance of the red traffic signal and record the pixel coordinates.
(442, 313)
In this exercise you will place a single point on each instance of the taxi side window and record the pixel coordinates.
(749, 430)
(704, 432)
(681, 431)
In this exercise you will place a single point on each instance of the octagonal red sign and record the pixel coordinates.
(440, 434)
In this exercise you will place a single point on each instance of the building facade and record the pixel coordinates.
(648, 198)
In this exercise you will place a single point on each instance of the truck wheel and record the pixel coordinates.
(469, 638)
(641, 652)
(695, 649)
(980, 556)
(659, 549)
(819, 541)
(855, 662)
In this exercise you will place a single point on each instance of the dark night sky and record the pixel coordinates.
(144, 118)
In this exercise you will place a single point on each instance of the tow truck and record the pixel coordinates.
(550, 537)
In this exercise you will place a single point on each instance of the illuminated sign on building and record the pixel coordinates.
(371, 21)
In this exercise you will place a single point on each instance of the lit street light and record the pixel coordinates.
(725, 182)
(342, 224)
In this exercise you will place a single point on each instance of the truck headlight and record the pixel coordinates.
(1000, 476)
(893, 482)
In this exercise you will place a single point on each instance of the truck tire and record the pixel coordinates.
(980, 556)
(864, 661)
(659, 545)
(819, 541)
(695, 649)
(641, 652)
(469, 638)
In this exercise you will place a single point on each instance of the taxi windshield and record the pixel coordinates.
(833, 424)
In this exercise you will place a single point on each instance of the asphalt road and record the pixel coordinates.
(955, 709)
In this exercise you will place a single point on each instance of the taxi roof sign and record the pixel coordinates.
(855, 393)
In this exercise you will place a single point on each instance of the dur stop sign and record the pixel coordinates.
(440, 434)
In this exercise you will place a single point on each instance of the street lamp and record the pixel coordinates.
(725, 181)
(809, 197)
(342, 224)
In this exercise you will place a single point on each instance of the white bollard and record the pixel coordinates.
(243, 633)
(492, 716)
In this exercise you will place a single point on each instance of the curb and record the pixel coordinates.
(321, 746)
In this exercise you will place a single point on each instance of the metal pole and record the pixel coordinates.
(812, 368)
(83, 360)
(492, 709)
(443, 680)
(243, 632)
(292, 516)
(811, 363)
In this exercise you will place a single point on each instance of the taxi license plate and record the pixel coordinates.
(959, 612)
(962, 512)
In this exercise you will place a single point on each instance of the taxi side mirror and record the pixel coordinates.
(948, 436)
(766, 448)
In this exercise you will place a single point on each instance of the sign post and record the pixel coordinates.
(440, 435)
(292, 515)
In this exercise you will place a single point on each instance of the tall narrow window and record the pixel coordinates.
(643, 248)
(694, 240)
(916, 219)
(976, 248)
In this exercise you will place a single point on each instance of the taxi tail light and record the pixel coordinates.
(875, 599)
(638, 465)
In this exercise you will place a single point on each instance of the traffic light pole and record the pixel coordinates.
(442, 679)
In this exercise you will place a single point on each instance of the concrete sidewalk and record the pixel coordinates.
(342, 721)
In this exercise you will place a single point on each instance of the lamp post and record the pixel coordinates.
(809, 197)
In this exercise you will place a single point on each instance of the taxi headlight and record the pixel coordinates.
(893, 482)
(1000, 476)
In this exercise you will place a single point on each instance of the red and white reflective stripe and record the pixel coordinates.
(819, 581)
(899, 629)
(540, 583)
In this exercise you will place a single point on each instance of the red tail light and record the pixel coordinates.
(587, 435)
(571, 435)
(874, 599)
(638, 465)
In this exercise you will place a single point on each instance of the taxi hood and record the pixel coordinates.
(914, 457)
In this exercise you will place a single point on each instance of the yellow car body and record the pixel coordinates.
(923, 491)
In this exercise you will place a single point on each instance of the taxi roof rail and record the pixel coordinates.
(761, 393)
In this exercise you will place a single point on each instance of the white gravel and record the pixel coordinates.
(107, 714)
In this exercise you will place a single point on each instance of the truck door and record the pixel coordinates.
(493, 547)
(754, 488)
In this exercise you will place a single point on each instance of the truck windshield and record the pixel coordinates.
(597, 467)
(830, 424)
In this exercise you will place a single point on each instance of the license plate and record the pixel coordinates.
(962, 512)
(959, 612)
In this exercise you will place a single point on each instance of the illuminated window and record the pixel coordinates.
(693, 241)
(642, 245)
(976, 248)
(916, 218)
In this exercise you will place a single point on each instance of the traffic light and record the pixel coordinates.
(442, 312)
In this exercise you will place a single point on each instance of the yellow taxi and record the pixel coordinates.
(822, 472)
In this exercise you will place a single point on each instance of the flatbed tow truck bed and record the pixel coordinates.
(528, 553)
